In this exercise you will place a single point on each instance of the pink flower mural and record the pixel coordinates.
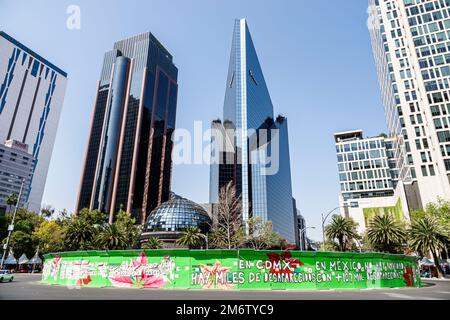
(142, 280)
(217, 276)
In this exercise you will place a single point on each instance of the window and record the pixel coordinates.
(424, 171)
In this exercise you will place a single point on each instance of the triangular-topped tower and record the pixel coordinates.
(248, 110)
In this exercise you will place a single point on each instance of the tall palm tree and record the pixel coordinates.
(11, 200)
(342, 229)
(112, 237)
(190, 238)
(386, 234)
(153, 243)
(428, 235)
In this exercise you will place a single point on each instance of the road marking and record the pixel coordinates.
(404, 296)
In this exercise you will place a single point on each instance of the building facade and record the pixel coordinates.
(368, 176)
(16, 164)
(129, 151)
(31, 98)
(258, 160)
(411, 45)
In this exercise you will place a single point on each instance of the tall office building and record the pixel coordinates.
(258, 161)
(129, 152)
(411, 45)
(368, 178)
(16, 165)
(31, 98)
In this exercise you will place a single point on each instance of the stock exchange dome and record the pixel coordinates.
(171, 218)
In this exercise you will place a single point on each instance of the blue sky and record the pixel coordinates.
(315, 55)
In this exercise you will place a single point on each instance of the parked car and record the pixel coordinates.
(6, 275)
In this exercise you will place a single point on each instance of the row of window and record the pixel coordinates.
(363, 155)
(364, 175)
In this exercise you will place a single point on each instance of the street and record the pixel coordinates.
(28, 287)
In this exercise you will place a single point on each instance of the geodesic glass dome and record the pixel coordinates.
(176, 215)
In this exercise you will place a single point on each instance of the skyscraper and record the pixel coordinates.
(411, 45)
(31, 98)
(258, 161)
(129, 152)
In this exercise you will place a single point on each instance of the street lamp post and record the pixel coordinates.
(302, 235)
(324, 219)
(11, 226)
(206, 239)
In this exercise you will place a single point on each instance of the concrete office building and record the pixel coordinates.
(16, 164)
(31, 98)
(411, 45)
(368, 176)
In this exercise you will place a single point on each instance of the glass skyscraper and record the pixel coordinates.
(129, 153)
(258, 162)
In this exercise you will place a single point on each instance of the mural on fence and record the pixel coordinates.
(230, 270)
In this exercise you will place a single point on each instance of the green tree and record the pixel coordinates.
(50, 236)
(386, 234)
(47, 212)
(427, 234)
(153, 244)
(343, 230)
(82, 229)
(127, 225)
(112, 237)
(79, 235)
(191, 238)
(226, 231)
(11, 200)
(22, 242)
(261, 235)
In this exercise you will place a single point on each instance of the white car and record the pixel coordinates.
(6, 275)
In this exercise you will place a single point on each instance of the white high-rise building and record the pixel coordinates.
(31, 98)
(368, 176)
(411, 45)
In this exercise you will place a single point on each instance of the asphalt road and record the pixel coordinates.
(28, 287)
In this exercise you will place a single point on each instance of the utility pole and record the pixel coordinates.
(11, 226)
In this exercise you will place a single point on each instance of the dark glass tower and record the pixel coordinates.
(129, 152)
(259, 168)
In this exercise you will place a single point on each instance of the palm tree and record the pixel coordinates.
(428, 235)
(79, 235)
(11, 200)
(112, 237)
(153, 243)
(386, 234)
(342, 229)
(190, 238)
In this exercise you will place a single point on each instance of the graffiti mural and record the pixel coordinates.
(230, 270)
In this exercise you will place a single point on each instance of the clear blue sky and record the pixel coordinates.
(315, 55)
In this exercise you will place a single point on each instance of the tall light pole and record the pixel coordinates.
(11, 226)
(302, 235)
(324, 219)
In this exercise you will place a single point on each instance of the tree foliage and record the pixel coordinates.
(386, 234)
(261, 235)
(191, 238)
(343, 230)
(227, 231)
(427, 234)
(152, 243)
(50, 235)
